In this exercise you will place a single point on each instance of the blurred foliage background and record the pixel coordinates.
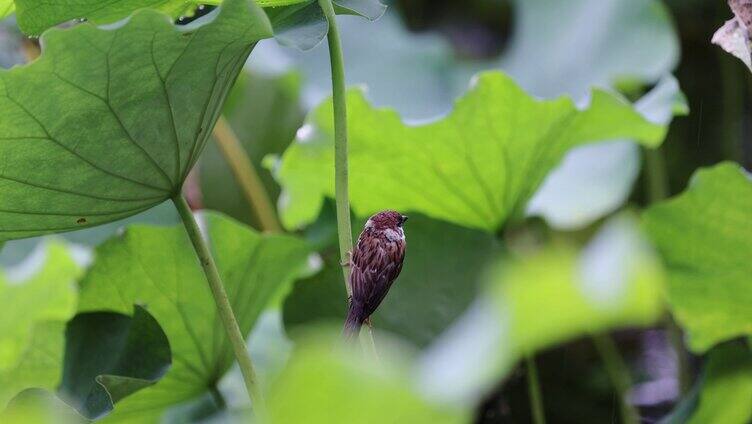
(418, 59)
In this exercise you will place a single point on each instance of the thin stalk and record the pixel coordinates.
(341, 170)
(223, 304)
(732, 76)
(658, 190)
(246, 175)
(618, 373)
(657, 180)
(534, 391)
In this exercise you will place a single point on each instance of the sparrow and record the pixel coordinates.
(375, 262)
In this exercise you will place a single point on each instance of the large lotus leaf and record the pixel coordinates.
(535, 302)
(567, 48)
(726, 395)
(705, 237)
(42, 288)
(109, 356)
(476, 167)
(595, 180)
(418, 75)
(410, 72)
(296, 23)
(107, 123)
(38, 365)
(39, 406)
(15, 251)
(325, 383)
(439, 281)
(35, 16)
(156, 267)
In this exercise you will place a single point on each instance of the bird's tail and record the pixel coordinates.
(353, 322)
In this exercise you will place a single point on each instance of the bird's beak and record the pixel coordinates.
(404, 219)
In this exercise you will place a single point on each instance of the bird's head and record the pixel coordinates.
(386, 220)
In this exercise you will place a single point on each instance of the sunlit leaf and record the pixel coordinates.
(109, 356)
(477, 167)
(107, 123)
(726, 395)
(550, 55)
(325, 384)
(6, 8)
(42, 288)
(595, 180)
(539, 301)
(40, 362)
(705, 237)
(156, 267)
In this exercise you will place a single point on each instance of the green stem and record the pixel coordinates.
(222, 302)
(341, 184)
(657, 180)
(246, 176)
(341, 171)
(534, 391)
(618, 373)
(732, 76)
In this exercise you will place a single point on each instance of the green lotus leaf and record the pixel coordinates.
(542, 299)
(107, 123)
(39, 365)
(325, 382)
(297, 23)
(726, 387)
(37, 296)
(6, 8)
(39, 406)
(705, 237)
(40, 289)
(109, 356)
(369, 9)
(477, 167)
(35, 16)
(156, 267)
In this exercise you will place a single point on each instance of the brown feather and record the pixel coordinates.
(376, 261)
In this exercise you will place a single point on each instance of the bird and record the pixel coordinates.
(375, 262)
